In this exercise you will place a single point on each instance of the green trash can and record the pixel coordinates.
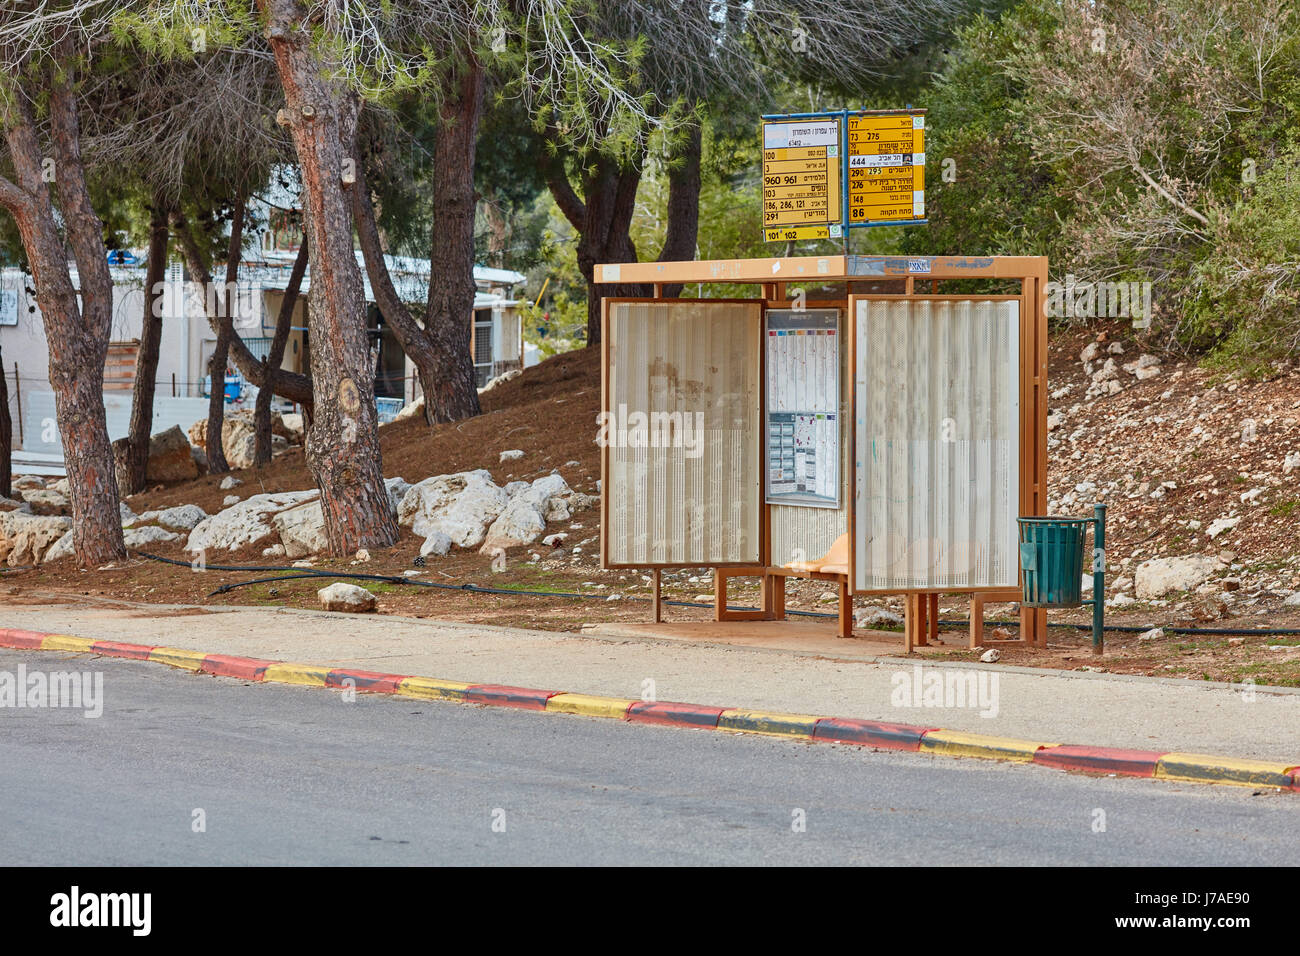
(1052, 561)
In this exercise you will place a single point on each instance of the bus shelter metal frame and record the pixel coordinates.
(914, 278)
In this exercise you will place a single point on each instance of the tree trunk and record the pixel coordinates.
(6, 438)
(216, 450)
(292, 385)
(146, 363)
(683, 234)
(603, 218)
(440, 346)
(77, 336)
(343, 450)
(451, 282)
(274, 358)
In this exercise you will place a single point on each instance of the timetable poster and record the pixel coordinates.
(803, 407)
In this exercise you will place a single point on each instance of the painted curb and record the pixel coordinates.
(1107, 760)
(772, 725)
(879, 735)
(870, 733)
(1233, 771)
(674, 715)
(960, 743)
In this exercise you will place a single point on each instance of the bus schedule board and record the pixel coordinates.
(827, 173)
(802, 185)
(802, 358)
(886, 161)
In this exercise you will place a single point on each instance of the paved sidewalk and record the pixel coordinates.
(1096, 709)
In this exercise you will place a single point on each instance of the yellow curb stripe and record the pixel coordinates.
(1235, 771)
(430, 688)
(66, 642)
(178, 657)
(312, 675)
(957, 743)
(764, 722)
(590, 705)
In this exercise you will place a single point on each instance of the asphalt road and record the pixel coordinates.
(281, 774)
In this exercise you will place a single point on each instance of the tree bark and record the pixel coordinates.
(683, 234)
(440, 347)
(226, 304)
(451, 281)
(274, 357)
(146, 362)
(343, 450)
(77, 336)
(6, 438)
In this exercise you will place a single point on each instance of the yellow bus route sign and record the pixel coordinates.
(802, 184)
(825, 173)
(886, 159)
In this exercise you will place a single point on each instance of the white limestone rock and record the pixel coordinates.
(27, 538)
(437, 543)
(302, 529)
(460, 505)
(341, 596)
(524, 519)
(1161, 576)
(246, 522)
(181, 518)
(150, 534)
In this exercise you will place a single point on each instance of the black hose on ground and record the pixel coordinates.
(300, 573)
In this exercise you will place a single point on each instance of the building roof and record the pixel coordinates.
(270, 269)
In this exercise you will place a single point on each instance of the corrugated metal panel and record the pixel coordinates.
(694, 365)
(938, 398)
(799, 533)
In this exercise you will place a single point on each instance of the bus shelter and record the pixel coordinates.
(878, 423)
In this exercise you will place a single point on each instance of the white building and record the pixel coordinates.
(188, 341)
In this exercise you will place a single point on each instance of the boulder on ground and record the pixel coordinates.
(148, 535)
(1160, 576)
(26, 538)
(460, 505)
(397, 489)
(59, 549)
(302, 529)
(246, 522)
(181, 518)
(239, 437)
(437, 543)
(291, 427)
(530, 508)
(340, 596)
(241, 450)
(877, 617)
(170, 458)
(27, 481)
(62, 486)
